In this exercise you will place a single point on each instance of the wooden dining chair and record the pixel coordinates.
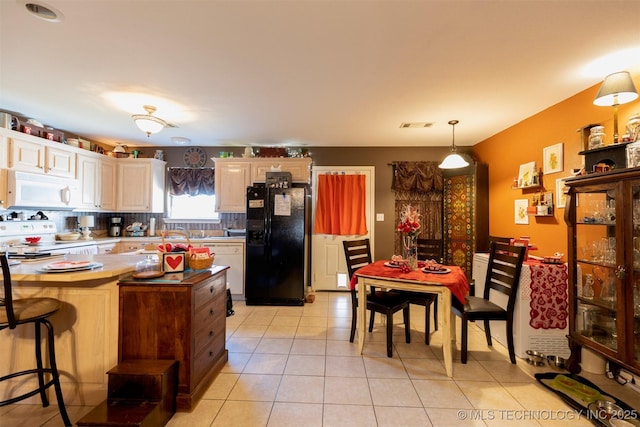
(503, 276)
(358, 254)
(427, 249)
(15, 312)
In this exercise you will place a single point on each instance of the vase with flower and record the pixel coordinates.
(409, 228)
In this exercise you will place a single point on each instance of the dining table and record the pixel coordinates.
(450, 282)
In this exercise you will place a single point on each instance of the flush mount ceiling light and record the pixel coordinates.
(453, 160)
(616, 89)
(148, 123)
(180, 140)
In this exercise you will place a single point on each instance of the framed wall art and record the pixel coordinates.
(520, 211)
(561, 193)
(553, 160)
(528, 175)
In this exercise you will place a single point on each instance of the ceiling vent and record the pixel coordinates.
(42, 11)
(413, 125)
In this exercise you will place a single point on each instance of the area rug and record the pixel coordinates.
(582, 395)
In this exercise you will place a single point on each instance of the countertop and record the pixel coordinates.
(114, 266)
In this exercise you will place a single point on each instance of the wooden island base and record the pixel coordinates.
(180, 316)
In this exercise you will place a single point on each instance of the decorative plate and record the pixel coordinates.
(195, 157)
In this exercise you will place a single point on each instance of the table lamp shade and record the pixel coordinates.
(616, 89)
(87, 221)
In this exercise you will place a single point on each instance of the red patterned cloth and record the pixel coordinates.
(549, 303)
(456, 281)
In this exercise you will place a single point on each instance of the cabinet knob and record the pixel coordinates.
(211, 312)
(211, 354)
(211, 289)
(210, 333)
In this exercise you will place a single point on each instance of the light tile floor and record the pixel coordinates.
(295, 366)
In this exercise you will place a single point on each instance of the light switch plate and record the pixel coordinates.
(379, 217)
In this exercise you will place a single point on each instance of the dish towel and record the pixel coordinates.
(549, 302)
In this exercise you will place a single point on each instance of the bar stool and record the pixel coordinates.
(32, 310)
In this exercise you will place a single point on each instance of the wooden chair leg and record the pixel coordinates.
(389, 334)
(427, 323)
(407, 325)
(512, 352)
(371, 318)
(354, 322)
(487, 332)
(435, 314)
(463, 338)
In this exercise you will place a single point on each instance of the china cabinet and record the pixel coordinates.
(603, 224)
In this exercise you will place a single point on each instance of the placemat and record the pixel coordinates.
(546, 378)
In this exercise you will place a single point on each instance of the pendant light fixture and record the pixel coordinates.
(147, 122)
(453, 160)
(616, 89)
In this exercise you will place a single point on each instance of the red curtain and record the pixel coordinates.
(341, 205)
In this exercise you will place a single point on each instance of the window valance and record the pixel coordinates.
(191, 181)
(422, 177)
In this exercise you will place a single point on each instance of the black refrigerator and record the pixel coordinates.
(277, 249)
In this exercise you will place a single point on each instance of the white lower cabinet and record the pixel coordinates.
(231, 254)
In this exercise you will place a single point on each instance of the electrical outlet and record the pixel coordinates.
(379, 217)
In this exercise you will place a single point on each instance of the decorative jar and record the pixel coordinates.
(596, 137)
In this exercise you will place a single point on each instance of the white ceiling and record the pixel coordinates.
(316, 73)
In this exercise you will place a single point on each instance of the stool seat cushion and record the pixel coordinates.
(29, 309)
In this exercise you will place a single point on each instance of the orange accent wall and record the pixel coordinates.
(523, 143)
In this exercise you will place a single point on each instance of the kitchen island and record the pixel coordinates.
(86, 326)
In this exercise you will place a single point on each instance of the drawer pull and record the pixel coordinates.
(212, 312)
(211, 289)
(210, 333)
(211, 354)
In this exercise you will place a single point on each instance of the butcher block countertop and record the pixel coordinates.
(114, 267)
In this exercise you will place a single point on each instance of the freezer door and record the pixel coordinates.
(256, 254)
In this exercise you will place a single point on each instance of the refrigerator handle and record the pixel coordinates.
(267, 230)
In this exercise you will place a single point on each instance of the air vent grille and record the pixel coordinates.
(407, 125)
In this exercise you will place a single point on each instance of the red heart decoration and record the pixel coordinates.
(174, 261)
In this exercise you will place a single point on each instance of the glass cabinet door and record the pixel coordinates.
(597, 258)
(635, 206)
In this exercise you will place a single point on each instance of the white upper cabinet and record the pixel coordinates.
(300, 168)
(233, 176)
(97, 176)
(32, 154)
(140, 185)
(232, 180)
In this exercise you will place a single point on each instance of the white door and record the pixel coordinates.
(328, 266)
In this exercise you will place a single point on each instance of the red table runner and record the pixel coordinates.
(549, 305)
(456, 281)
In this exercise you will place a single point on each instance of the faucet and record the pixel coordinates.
(187, 232)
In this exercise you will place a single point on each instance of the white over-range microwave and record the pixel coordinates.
(31, 190)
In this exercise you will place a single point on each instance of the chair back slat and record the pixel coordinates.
(429, 249)
(503, 275)
(7, 298)
(357, 254)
